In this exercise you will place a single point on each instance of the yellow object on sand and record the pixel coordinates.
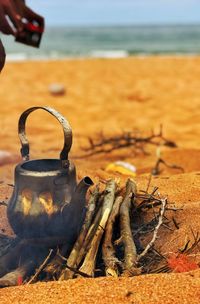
(122, 167)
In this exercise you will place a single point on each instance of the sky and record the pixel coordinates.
(111, 12)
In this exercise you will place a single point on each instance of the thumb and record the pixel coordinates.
(14, 17)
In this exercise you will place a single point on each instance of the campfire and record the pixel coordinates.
(109, 242)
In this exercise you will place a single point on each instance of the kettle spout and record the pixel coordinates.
(81, 189)
(77, 204)
(74, 212)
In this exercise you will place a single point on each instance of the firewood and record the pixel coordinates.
(108, 251)
(88, 265)
(20, 262)
(130, 252)
(89, 237)
(51, 269)
(19, 274)
(71, 261)
(55, 267)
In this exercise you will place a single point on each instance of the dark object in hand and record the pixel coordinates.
(31, 34)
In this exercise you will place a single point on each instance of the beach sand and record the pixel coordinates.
(111, 95)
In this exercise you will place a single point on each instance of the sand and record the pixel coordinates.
(111, 95)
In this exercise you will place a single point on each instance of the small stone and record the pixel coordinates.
(8, 158)
(57, 89)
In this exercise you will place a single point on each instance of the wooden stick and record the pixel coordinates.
(108, 250)
(40, 268)
(88, 266)
(130, 253)
(89, 238)
(71, 261)
(160, 221)
(74, 270)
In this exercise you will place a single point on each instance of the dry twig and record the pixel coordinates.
(155, 234)
(156, 170)
(39, 270)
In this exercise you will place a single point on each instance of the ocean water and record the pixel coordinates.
(109, 41)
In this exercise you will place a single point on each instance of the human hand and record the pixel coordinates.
(12, 15)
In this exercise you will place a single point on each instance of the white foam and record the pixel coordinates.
(109, 54)
(16, 57)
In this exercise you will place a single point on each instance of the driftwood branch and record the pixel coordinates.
(108, 251)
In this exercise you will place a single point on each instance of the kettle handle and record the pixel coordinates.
(66, 129)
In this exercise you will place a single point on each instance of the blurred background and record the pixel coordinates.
(114, 28)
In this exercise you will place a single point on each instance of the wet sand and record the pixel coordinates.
(105, 95)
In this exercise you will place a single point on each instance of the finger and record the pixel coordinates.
(2, 56)
(31, 16)
(19, 6)
(14, 17)
(6, 28)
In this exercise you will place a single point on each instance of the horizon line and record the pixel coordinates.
(124, 24)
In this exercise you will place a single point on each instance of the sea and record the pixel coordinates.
(109, 42)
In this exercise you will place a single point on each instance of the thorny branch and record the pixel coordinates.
(155, 234)
(107, 144)
(187, 250)
(189, 247)
(160, 161)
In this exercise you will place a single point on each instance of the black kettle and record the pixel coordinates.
(46, 201)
